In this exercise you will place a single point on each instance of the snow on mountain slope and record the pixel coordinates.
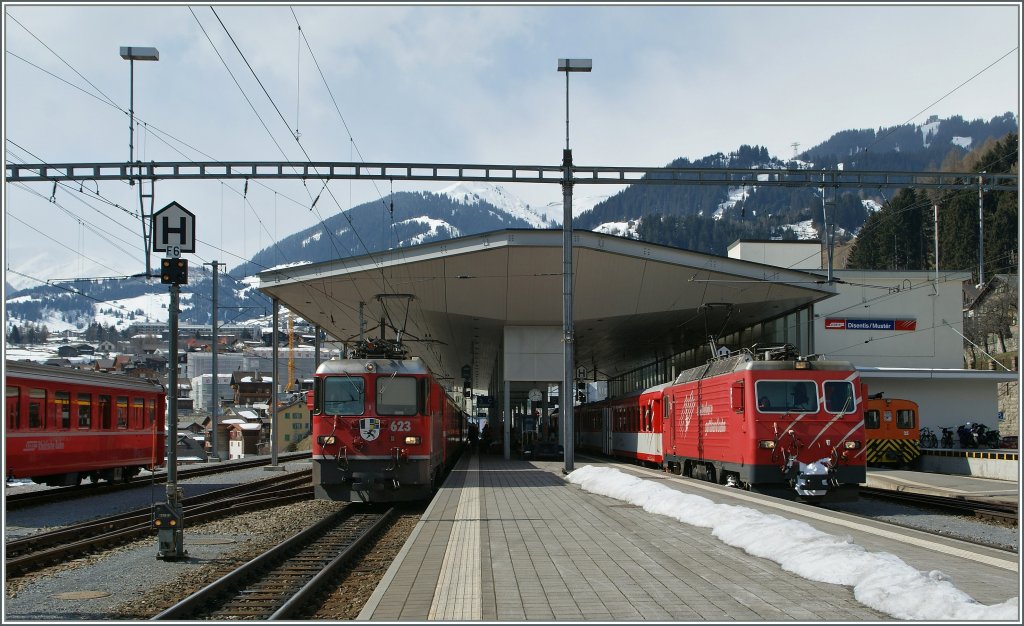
(495, 195)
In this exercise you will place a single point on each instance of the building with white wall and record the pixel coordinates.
(903, 330)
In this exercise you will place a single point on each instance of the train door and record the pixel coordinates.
(668, 425)
(106, 415)
(606, 428)
(654, 426)
(13, 406)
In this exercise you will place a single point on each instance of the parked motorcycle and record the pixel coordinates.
(977, 435)
(985, 437)
(965, 434)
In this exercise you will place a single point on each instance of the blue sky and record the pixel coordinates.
(451, 84)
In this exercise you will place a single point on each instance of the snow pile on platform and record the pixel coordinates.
(880, 580)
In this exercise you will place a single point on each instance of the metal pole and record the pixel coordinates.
(131, 119)
(273, 391)
(172, 395)
(507, 420)
(981, 235)
(170, 539)
(316, 346)
(565, 394)
(215, 400)
(566, 110)
(936, 218)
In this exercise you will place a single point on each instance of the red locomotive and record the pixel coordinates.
(765, 420)
(384, 430)
(65, 425)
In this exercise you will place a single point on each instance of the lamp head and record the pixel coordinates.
(136, 53)
(575, 65)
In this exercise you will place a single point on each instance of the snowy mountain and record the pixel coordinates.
(703, 218)
(477, 193)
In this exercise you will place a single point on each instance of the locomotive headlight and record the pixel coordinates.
(370, 367)
(802, 365)
(766, 443)
(325, 440)
(851, 445)
(412, 441)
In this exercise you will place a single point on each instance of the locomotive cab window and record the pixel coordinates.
(904, 418)
(397, 396)
(872, 420)
(839, 396)
(344, 395)
(786, 396)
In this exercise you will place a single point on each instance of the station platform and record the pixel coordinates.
(513, 540)
(946, 485)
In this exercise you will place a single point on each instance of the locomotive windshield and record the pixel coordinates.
(344, 395)
(785, 396)
(396, 396)
(839, 396)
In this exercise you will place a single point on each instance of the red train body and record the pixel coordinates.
(769, 421)
(65, 425)
(384, 430)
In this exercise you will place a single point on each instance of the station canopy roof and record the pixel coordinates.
(633, 301)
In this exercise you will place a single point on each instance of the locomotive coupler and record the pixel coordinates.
(813, 479)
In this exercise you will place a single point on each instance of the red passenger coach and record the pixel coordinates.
(384, 430)
(64, 425)
(765, 420)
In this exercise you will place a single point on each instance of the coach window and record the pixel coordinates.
(872, 419)
(150, 413)
(36, 404)
(84, 410)
(344, 395)
(904, 418)
(396, 396)
(13, 397)
(122, 411)
(62, 400)
(839, 396)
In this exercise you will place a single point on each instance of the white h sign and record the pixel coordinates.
(174, 230)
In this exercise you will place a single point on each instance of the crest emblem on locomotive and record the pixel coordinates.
(369, 428)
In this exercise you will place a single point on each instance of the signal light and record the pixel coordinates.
(325, 440)
(174, 271)
(412, 441)
(851, 445)
(766, 443)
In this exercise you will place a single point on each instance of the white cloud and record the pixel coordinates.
(449, 84)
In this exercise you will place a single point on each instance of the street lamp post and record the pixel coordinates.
(565, 395)
(133, 54)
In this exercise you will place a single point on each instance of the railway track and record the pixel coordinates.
(38, 551)
(284, 581)
(61, 494)
(1003, 512)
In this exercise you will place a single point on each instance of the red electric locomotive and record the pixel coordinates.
(765, 420)
(384, 430)
(64, 425)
